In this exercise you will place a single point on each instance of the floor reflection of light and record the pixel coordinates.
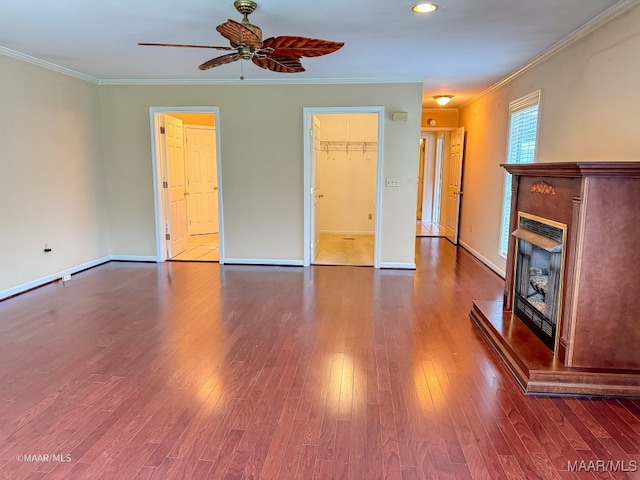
(210, 390)
(340, 392)
(436, 387)
(195, 338)
(422, 387)
(212, 403)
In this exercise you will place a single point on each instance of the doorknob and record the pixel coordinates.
(215, 188)
(186, 193)
(320, 196)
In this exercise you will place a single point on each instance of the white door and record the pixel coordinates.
(316, 193)
(202, 182)
(454, 181)
(176, 179)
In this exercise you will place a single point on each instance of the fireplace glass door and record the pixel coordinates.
(538, 274)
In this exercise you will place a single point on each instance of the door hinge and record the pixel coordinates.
(162, 130)
(165, 184)
(167, 236)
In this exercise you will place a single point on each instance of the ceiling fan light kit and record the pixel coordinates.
(279, 54)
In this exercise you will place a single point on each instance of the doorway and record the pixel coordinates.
(186, 160)
(343, 158)
(442, 184)
(431, 155)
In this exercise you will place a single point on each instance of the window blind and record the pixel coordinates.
(521, 148)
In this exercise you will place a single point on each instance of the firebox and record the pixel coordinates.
(538, 274)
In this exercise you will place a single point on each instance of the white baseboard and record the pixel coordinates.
(9, 292)
(133, 258)
(262, 261)
(398, 265)
(500, 271)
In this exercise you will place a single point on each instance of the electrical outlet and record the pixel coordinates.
(66, 278)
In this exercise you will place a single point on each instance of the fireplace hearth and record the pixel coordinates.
(568, 323)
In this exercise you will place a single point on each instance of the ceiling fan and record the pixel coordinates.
(279, 54)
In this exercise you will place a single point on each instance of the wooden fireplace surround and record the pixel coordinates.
(599, 324)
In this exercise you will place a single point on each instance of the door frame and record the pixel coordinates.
(308, 113)
(158, 161)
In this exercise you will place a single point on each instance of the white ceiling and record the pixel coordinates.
(461, 49)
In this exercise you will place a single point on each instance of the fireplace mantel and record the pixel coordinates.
(598, 330)
(575, 169)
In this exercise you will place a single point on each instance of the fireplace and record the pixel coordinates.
(569, 320)
(538, 274)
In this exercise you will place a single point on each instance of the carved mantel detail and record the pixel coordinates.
(543, 188)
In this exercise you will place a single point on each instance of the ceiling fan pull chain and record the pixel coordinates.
(241, 69)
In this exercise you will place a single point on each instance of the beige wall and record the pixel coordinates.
(262, 163)
(590, 110)
(51, 176)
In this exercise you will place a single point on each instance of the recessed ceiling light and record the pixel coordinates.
(425, 8)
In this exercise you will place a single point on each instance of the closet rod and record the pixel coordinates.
(336, 146)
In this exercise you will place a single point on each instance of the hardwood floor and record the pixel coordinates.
(200, 371)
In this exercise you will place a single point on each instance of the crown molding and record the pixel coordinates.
(48, 65)
(439, 109)
(618, 9)
(254, 81)
(199, 81)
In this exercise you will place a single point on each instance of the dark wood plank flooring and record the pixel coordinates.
(201, 371)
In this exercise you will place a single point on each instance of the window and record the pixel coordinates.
(521, 148)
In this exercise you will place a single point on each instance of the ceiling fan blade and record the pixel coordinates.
(280, 65)
(290, 46)
(181, 45)
(239, 34)
(216, 62)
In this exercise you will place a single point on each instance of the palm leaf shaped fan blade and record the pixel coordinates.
(216, 62)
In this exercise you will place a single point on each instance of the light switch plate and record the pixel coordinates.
(392, 182)
(399, 116)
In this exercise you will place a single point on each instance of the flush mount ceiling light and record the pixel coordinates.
(425, 8)
(442, 100)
